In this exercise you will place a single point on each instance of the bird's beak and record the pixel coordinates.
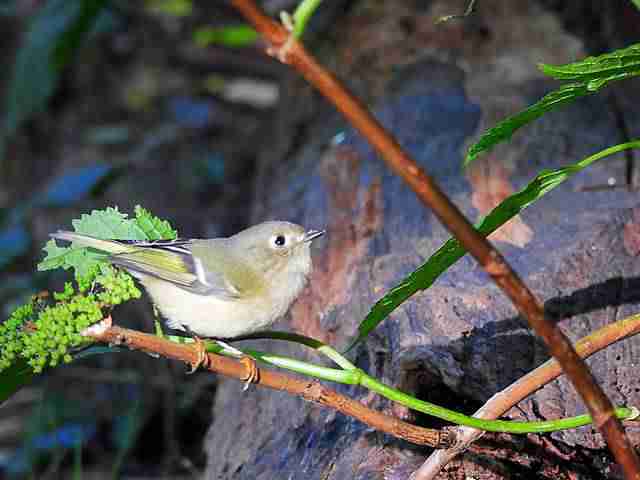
(312, 234)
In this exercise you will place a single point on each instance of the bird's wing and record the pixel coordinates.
(221, 264)
(174, 261)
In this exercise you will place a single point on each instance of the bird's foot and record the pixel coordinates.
(253, 372)
(202, 359)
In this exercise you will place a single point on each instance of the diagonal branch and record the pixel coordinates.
(310, 390)
(288, 50)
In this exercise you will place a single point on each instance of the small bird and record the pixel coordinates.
(218, 288)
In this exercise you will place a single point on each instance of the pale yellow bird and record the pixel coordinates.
(218, 288)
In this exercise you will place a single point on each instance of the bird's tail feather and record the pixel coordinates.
(81, 240)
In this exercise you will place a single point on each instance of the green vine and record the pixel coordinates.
(349, 374)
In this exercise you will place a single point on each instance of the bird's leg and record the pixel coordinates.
(156, 322)
(201, 350)
(203, 356)
(253, 373)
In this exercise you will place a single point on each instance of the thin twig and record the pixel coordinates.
(288, 50)
(503, 401)
(310, 390)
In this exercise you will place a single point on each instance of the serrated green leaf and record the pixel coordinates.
(81, 260)
(153, 227)
(625, 62)
(506, 128)
(587, 77)
(109, 224)
(452, 251)
(106, 224)
(55, 256)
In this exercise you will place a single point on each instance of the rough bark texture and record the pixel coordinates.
(460, 341)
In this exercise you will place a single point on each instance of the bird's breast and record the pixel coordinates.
(208, 315)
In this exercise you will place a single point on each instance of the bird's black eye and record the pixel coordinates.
(279, 240)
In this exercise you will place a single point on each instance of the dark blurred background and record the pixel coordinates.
(167, 104)
(121, 103)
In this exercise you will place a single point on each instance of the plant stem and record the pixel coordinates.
(317, 345)
(508, 426)
(351, 375)
(302, 15)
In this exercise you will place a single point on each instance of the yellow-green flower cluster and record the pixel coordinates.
(117, 287)
(11, 334)
(45, 335)
(56, 329)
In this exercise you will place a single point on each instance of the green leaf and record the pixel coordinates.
(586, 76)
(302, 15)
(452, 251)
(81, 260)
(106, 224)
(607, 67)
(14, 378)
(53, 36)
(153, 227)
(504, 129)
(230, 36)
(636, 3)
(56, 257)
(109, 224)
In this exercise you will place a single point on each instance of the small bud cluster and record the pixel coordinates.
(117, 287)
(11, 332)
(45, 335)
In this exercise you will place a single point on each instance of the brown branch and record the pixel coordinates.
(503, 401)
(310, 390)
(290, 51)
